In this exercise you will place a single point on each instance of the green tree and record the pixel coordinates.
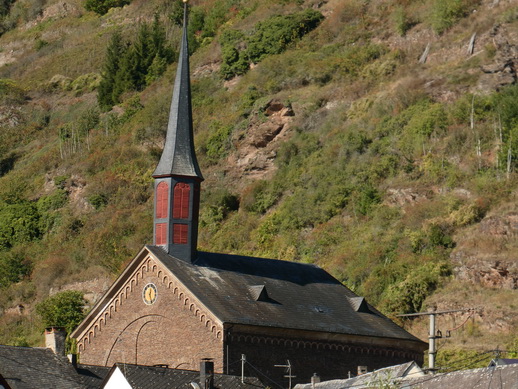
(65, 309)
(107, 94)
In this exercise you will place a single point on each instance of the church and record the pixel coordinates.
(174, 305)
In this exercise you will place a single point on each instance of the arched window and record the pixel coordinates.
(162, 197)
(160, 234)
(181, 200)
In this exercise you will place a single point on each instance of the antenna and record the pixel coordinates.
(288, 367)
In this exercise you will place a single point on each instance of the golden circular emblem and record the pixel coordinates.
(149, 294)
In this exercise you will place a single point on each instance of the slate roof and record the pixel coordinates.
(31, 368)
(295, 295)
(92, 376)
(496, 377)
(150, 377)
(374, 379)
(178, 156)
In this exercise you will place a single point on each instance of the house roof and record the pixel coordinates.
(178, 156)
(27, 368)
(92, 376)
(495, 377)
(370, 380)
(291, 295)
(151, 377)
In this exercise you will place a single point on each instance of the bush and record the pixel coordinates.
(103, 6)
(218, 143)
(19, 223)
(446, 13)
(13, 267)
(271, 36)
(408, 296)
(65, 309)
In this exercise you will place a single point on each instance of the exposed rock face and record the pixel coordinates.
(257, 148)
(502, 71)
(488, 257)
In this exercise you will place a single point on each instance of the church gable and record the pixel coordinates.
(149, 317)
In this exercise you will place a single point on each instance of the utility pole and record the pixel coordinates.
(287, 366)
(243, 361)
(432, 334)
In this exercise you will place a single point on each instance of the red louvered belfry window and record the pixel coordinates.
(162, 200)
(180, 232)
(181, 201)
(160, 234)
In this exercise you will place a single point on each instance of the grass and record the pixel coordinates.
(366, 121)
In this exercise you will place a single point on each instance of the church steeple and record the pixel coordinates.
(178, 176)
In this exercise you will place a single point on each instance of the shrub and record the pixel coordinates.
(98, 200)
(271, 36)
(446, 13)
(408, 295)
(19, 223)
(64, 309)
(103, 6)
(13, 267)
(218, 143)
(401, 21)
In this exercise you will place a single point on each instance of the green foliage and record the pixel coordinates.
(19, 223)
(5, 6)
(98, 200)
(271, 36)
(260, 197)
(10, 92)
(13, 267)
(103, 6)
(40, 44)
(446, 13)
(218, 143)
(408, 295)
(64, 309)
(366, 198)
(130, 67)
(401, 21)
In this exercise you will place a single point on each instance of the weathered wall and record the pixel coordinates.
(174, 330)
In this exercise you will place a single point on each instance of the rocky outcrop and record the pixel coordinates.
(256, 150)
(486, 256)
(502, 71)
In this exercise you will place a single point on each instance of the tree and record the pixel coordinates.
(65, 309)
(107, 94)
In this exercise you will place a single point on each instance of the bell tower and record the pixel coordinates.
(178, 176)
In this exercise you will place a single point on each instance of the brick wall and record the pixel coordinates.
(172, 331)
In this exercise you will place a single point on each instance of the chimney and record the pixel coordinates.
(207, 373)
(315, 379)
(55, 339)
(362, 370)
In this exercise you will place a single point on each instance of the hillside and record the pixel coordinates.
(375, 138)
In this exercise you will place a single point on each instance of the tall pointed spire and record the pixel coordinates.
(178, 156)
(177, 175)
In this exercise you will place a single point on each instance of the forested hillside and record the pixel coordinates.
(377, 139)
